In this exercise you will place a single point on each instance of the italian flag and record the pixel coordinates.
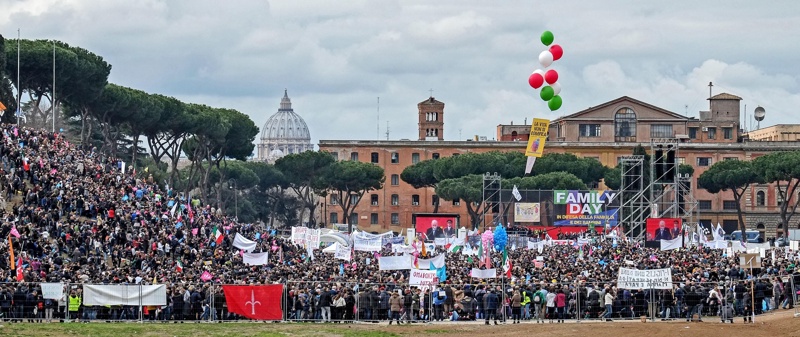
(217, 235)
(179, 266)
(506, 263)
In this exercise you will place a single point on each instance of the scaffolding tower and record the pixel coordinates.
(633, 197)
(664, 180)
(491, 196)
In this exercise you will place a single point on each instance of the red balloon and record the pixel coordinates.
(536, 80)
(556, 51)
(551, 76)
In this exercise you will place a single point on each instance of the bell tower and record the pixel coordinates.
(431, 119)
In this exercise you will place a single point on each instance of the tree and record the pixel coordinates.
(589, 170)
(348, 181)
(733, 175)
(468, 189)
(420, 175)
(303, 171)
(782, 169)
(548, 181)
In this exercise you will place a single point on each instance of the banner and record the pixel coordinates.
(585, 208)
(527, 212)
(423, 279)
(52, 291)
(537, 137)
(133, 295)
(438, 262)
(243, 243)
(255, 259)
(483, 273)
(671, 244)
(299, 235)
(394, 263)
(342, 252)
(748, 261)
(262, 302)
(644, 279)
(367, 245)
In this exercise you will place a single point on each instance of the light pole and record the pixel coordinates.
(232, 185)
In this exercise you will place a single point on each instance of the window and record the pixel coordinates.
(374, 157)
(415, 200)
(761, 198)
(395, 180)
(434, 200)
(730, 158)
(692, 133)
(435, 155)
(703, 161)
(727, 133)
(780, 197)
(395, 218)
(661, 131)
(712, 133)
(395, 158)
(413, 219)
(354, 218)
(456, 202)
(456, 154)
(395, 200)
(334, 217)
(729, 204)
(589, 130)
(335, 155)
(373, 218)
(704, 204)
(354, 198)
(414, 158)
(681, 160)
(354, 156)
(625, 123)
(373, 199)
(334, 199)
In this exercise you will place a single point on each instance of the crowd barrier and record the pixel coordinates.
(372, 302)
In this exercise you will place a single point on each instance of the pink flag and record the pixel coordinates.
(53, 171)
(206, 276)
(354, 266)
(14, 232)
(194, 231)
(16, 132)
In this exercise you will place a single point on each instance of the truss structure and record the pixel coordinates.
(492, 187)
(634, 204)
(664, 183)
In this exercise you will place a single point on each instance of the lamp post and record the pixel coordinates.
(232, 185)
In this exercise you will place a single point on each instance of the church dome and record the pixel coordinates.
(285, 124)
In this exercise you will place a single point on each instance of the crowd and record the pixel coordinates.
(76, 216)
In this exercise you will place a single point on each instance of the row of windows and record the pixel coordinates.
(373, 218)
(395, 200)
(395, 157)
(730, 205)
(656, 131)
(700, 161)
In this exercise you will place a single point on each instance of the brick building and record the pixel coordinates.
(604, 132)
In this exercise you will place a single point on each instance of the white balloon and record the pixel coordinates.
(538, 71)
(556, 88)
(546, 58)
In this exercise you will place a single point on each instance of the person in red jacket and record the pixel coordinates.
(561, 304)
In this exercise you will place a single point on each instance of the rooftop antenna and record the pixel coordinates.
(378, 128)
(710, 85)
(759, 115)
(459, 134)
(686, 109)
(387, 130)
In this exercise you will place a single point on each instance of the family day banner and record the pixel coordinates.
(527, 212)
(585, 208)
(644, 279)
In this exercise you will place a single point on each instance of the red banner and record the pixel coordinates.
(262, 302)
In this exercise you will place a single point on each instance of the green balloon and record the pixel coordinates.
(554, 103)
(547, 37)
(547, 93)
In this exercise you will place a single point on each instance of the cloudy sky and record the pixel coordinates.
(337, 57)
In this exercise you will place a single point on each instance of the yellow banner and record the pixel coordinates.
(537, 137)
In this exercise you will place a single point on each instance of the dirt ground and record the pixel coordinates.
(780, 323)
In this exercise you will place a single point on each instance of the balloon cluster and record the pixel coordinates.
(550, 92)
(500, 238)
(486, 239)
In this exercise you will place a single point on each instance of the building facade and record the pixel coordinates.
(776, 133)
(605, 132)
(285, 132)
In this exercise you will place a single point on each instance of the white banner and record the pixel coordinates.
(52, 291)
(671, 244)
(644, 279)
(342, 253)
(717, 244)
(367, 245)
(445, 241)
(484, 273)
(255, 259)
(527, 212)
(299, 235)
(394, 263)
(438, 262)
(243, 243)
(133, 295)
(423, 279)
(312, 238)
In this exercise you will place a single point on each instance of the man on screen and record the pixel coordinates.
(449, 230)
(663, 233)
(435, 231)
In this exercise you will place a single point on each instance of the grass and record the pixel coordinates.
(186, 329)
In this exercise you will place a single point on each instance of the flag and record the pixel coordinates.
(516, 193)
(470, 260)
(310, 249)
(341, 269)
(424, 250)
(718, 233)
(218, 237)
(11, 252)
(441, 273)
(260, 302)
(20, 275)
(455, 249)
(529, 165)
(507, 263)
(155, 280)
(2, 107)
(179, 266)
(174, 208)
(480, 254)
(206, 276)
(241, 242)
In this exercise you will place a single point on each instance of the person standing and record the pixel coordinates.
(537, 300)
(395, 306)
(561, 303)
(516, 304)
(551, 305)
(490, 303)
(325, 304)
(608, 299)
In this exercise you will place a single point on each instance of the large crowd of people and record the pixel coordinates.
(75, 216)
